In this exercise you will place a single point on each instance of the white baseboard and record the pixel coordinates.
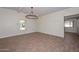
(29, 33)
(15, 35)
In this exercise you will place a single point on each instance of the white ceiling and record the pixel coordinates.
(37, 10)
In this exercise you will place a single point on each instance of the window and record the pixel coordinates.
(68, 23)
(22, 25)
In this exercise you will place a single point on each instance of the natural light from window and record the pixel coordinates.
(68, 23)
(22, 25)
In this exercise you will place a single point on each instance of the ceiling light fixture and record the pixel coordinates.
(31, 15)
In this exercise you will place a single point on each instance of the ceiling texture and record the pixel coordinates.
(37, 10)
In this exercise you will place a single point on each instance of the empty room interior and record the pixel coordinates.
(39, 29)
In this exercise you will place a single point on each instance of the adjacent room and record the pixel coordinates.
(72, 30)
(39, 29)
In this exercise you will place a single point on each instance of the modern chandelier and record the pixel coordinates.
(31, 15)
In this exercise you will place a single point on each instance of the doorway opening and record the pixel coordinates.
(71, 32)
(71, 24)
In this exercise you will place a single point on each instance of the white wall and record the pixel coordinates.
(9, 23)
(50, 24)
(54, 23)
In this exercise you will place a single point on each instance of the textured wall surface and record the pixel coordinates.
(53, 23)
(9, 23)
